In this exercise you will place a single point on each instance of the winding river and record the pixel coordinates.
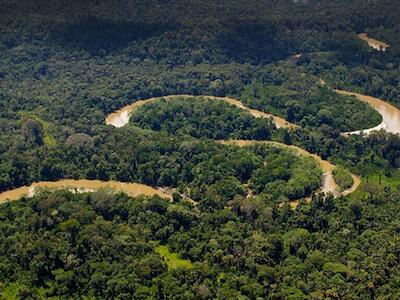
(121, 117)
(390, 114)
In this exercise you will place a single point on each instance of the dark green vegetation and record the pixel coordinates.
(211, 171)
(298, 103)
(284, 174)
(105, 246)
(66, 64)
(71, 69)
(273, 172)
(361, 69)
(214, 119)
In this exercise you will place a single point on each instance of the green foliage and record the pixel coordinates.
(10, 291)
(342, 177)
(173, 260)
(62, 72)
(335, 268)
(48, 138)
(68, 246)
(200, 117)
(287, 175)
(317, 106)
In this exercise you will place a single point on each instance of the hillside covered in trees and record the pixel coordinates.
(256, 225)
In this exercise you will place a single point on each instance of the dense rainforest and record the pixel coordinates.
(66, 65)
(104, 245)
(200, 117)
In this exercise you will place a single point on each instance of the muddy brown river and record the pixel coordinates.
(120, 118)
(80, 186)
(390, 114)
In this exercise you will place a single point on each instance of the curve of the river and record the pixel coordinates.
(328, 183)
(121, 117)
(390, 114)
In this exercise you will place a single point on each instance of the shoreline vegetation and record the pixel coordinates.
(121, 117)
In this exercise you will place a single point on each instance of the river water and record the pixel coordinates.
(390, 114)
(80, 186)
(391, 123)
